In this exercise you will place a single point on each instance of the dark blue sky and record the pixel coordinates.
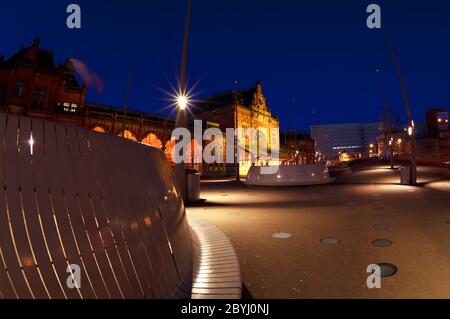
(316, 59)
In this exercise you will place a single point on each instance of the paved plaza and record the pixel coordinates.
(317, 241)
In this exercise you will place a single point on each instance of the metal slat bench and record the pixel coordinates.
(108, 205)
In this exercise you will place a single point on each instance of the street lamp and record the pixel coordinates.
(182, 101)
(412, 140)
(410, 130)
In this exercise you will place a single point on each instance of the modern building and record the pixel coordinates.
(242, 109)
(438, 127)
(354, 139)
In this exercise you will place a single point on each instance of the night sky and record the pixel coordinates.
(316, 59)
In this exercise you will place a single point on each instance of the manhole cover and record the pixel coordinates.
(382, 242)
(381, 226)
(281, 235)
(330, 241)
(387, 269)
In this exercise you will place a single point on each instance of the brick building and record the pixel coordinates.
(241, 109)
(438, 127)
(32, 84)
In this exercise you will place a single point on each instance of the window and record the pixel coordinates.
(70, 107)
(18, 91)
(38, 98)
(3, 93)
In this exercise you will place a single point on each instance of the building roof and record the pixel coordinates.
(41, 60)
(96, 107)
(31, 56)
(249, 98)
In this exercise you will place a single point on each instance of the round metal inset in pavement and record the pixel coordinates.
(330, 241)
(381, 226)
(281, 235)
(387, 269)
(382, 242)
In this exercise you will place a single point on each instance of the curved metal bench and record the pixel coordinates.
(90, 215)
(72, 198)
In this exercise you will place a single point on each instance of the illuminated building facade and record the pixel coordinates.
(241, 109)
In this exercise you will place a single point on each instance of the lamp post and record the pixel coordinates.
(387, 120)
(237, 175)
(411, 131)
(182, 103)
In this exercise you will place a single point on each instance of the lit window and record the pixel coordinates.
(70, 107)
(66, 107)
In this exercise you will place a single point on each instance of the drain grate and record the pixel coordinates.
(387, 269)
(281, 235)
(330, 241)
(381, 226)
(382, 242)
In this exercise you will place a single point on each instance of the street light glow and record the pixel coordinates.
(182, 102)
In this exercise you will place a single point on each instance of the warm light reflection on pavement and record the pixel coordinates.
(300, 266)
